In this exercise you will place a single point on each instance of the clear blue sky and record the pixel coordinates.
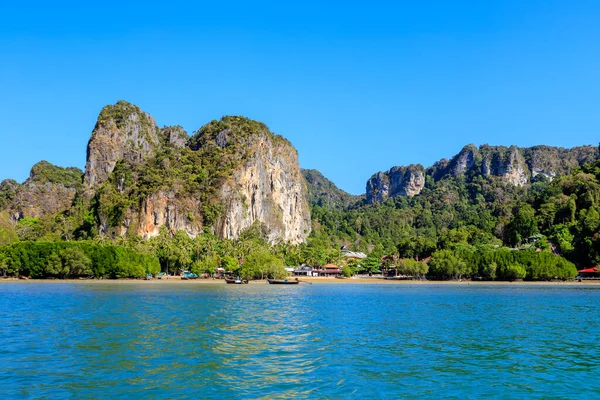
(357, 87)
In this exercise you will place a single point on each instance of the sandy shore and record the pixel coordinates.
(379, 281)
(352, 281)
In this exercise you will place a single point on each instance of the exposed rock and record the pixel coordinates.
(513, 165)
(221, 140)
(378, 188)
(323, 192)
(506, 163)
(268, 188)
(463, 161)
(398, 181)
(174, 136)
(234, 174)
(554, 161)
(48, 190)
(516, 165)
(170, 210)
(123, 132)
(258, 179)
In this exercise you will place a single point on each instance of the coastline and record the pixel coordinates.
(312, 280)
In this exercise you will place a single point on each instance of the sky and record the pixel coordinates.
(357, 87)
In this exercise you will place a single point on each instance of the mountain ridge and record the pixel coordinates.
(511, 164)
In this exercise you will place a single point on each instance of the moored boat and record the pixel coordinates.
(236, 281)
(189, 275)
(282, 281)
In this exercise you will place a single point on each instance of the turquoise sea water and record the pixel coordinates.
(174, 340)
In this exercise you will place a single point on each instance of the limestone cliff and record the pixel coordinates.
(517, 165)
(123, 132)
(261, 180)
(174, 136)
(555, 161)
(507, 164)
(512, 165)
(230, 174)
(398, 181)
(48, 190)
(167, 208)
(463, 161)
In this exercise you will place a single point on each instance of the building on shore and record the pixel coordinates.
(328, 270)
(303, 270)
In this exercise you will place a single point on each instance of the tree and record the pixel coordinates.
(412, 268)
(229, 263)
(489, 270)
(346, 271)
(563, 237)
(8, 234)
(261, 263)
(30, 228)
(4, 263)
(523, 224)
(371, 264)
(75, 262)
(54, 266)
(415, 247)
(513, 271)
(447, 265)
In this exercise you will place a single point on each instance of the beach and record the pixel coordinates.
(308, 280)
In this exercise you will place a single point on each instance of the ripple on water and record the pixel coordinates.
(310, 341)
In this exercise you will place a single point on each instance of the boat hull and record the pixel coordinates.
(236, 281)
(282, 282)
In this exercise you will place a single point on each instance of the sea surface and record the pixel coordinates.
(174, 340)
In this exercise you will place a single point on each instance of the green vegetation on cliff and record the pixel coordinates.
(322, 192)
(44, 172)
(122, 112)
(8, 190)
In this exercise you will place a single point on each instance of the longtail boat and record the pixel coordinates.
(282, 282)
(236, 281)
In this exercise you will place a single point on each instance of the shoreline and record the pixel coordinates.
(311, 280)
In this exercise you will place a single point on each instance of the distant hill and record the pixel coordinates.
(513, 165)
(323, 192)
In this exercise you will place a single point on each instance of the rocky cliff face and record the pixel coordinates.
(519, 165)
(398, 181)
(512, 165)
(260, 179)
(507, 164)
(48, 190)
(167, 208)
(174, 136)
(123, 132)
(463, 161)
(554, 161)
(230, 174)
(267, 188)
